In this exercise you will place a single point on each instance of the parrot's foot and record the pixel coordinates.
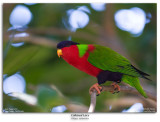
(96, 87)
(116, 88)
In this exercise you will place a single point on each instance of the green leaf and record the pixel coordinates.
(49, 98)
(17, 58)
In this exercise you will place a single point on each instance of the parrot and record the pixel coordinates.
(103, 63)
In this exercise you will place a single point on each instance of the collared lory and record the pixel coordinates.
(102, 63)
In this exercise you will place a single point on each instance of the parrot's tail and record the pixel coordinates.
(143, 74)
(134, 82)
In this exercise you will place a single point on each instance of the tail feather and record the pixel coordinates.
(134, 82)
(143, 74)
(146, 78)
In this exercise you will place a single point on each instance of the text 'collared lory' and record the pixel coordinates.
(102, 63)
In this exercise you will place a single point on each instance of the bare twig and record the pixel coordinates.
(123, 89)
(37, 40)
(58, 32)
(93, 102)
(127, 101)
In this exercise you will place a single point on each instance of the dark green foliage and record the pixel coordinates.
(49, 98)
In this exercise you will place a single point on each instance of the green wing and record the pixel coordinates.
(107, 59)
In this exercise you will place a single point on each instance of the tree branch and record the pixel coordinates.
(93, 101)
(130, 90)
(36, 40)
(126, 89)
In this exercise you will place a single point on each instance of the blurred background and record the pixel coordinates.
(36, 80)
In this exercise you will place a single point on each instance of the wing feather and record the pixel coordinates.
(107, 59)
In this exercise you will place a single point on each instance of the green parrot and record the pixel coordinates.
(102, 63)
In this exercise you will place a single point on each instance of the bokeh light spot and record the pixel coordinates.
(59, 109)
(14, 83)
(30, 3)
(17, 44)
(84, 8)
(137, 107)
(132, 20)
(98, 6)
(21, 35)
(78, 19)
(20, 16)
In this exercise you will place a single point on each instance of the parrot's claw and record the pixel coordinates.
(97, 88)
(116, 88)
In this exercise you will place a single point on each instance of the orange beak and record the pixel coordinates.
(59, 53)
